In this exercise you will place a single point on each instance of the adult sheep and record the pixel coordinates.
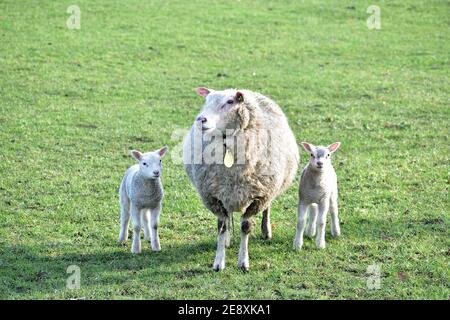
(240, 154)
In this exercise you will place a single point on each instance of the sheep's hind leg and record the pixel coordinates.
(124, 219)
(219, 261)
(246, 226)
(266, 227)
(335, 227)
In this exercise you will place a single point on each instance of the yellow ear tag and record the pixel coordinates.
(228, 160)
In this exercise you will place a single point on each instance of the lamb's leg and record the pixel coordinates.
(335, 227)
(155, 223)
(146, 223)
(136, 216)
(246, 226)
(222, 226)
(321, 223)
(311, 228)
(301, 219)
(124, 217)
(266, 227)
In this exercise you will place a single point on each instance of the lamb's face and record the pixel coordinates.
(216, 107)
(320, 157)
(150, 163)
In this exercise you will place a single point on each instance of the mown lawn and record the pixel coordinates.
(74, 102)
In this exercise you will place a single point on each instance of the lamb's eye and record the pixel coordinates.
(312, 155)
(145, 163)
(328, 155)
(230, 101)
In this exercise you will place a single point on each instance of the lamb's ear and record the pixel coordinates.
(202, 91)
(308, 147)
(333, 147)
(136, 154)
(163, 151)
(239, 97)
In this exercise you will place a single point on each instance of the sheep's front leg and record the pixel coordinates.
(311, 229)
(222, 234)
(246, 226)
(124, 218)
(224, 224)
(155, 223)
(321, 223)
(146, 223)
(301, 219)
(335, 227)
(266, 227)
(136, 216)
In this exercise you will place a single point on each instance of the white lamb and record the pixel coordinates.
(141, 193)
(318, 190)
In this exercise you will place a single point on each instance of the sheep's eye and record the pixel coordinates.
(328, 155)
(230, 101)
(145, 163)
(312, 155)
(160, 161)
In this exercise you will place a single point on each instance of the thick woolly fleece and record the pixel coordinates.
(270, 164)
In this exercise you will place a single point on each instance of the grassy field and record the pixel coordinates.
(74, 102)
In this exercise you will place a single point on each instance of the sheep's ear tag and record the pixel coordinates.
(228, 160)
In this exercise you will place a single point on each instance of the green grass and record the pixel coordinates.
(74, 102)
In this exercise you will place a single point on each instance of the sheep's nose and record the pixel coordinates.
(156, 173)
(202, 119)
(319, 163)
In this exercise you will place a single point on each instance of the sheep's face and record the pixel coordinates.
(150, 163)
(320, 157)
(216, 109)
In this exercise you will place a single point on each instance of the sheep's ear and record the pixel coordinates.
(202, 91)
(333, 147)
(239, 97)
(244, 117)
(163, 151)
(136, 154)
(308, 147)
